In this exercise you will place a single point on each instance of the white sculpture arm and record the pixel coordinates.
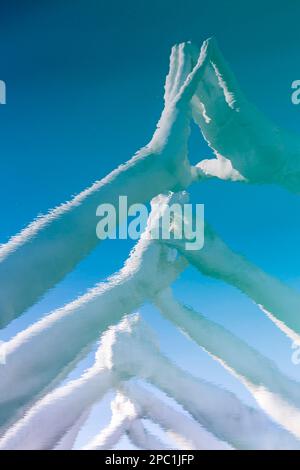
(280, 302)
(45, 352)
(187, 433)
(43, 253)
(143, 439)
(51, 418)
(130, 349)
(277, 394)
(69, 438)
(124, 412)
(126, 419)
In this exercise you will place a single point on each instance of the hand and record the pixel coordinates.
(258, 150)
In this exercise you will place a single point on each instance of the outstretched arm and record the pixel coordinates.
(274, 392)
(42, 254)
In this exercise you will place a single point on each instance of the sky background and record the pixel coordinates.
(84, 92)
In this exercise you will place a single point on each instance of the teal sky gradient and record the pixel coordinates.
(84, 92)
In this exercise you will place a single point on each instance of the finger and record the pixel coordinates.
(189, 86)
(184, 66)
(218, 97)
(234, 95)
(172, 73)
(181, 65)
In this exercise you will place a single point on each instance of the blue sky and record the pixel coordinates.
(84, 92)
